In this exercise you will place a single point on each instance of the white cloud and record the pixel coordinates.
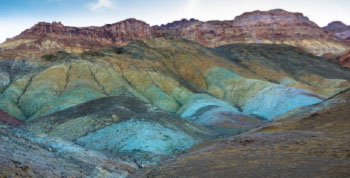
(191, 7)
(101, 4)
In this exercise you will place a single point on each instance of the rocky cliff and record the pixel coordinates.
(275, 26)
(271, 27)
(44, 38)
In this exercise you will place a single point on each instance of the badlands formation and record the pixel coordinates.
(258, 96)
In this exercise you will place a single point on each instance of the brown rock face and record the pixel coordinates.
(345, 60)
(46, 38)
(275, 26)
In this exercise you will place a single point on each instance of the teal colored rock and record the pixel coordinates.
(72, 98)
(199, 101)
(134, 135)
(161, 99)
(122, 124)
(217, 115)
(218, 75)
(11, 107)
(24, 154)
(257, 97)
(4, 81)
(277, 100)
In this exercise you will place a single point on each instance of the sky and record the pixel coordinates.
(18, 15)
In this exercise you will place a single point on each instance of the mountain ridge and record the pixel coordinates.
(275, 26)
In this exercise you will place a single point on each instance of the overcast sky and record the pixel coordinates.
(18, 15)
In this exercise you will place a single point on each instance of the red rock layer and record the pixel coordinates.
(10, 120)
(117, 34)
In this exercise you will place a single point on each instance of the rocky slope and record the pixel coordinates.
(123, 124)
(23, 154)
(341, 30)
(272, 27)
(309, 142)
(168, 73)
(137, 105)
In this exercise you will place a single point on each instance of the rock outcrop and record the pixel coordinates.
(44, 38)
(275, 26)
(271, 27)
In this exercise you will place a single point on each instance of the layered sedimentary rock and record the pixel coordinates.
(44, 38)
(307, 142)
(151, 100)
(275, 26)
(341, 30)
(272, 27)
(166, 73)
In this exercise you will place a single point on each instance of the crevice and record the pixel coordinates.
(5, 88)
(129, 83)
(23, 92)
(97, 82)
(67, 80)
(154, 83)
(123, 76)
(8, 71)
(189, 85)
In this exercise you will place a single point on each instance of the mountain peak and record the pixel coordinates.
(273, 16)
(339, 29)
(178, 24)
(277, 10)
(336, 26)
